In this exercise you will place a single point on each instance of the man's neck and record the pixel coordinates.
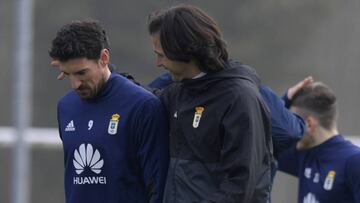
(320, 136)
(192, 71)
(107, 73)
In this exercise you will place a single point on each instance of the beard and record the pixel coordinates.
(86, 92)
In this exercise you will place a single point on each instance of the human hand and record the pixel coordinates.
(294, 89)
(56, 64)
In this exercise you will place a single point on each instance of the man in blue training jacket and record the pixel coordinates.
(328, 166)
(114, 133)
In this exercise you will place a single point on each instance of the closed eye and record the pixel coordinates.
(81, 72)
(158, 54)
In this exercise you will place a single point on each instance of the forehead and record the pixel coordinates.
(74, 65)
(155, 38)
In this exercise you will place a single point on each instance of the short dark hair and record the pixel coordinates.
(186, 33)
(79, 39)
(317, 100)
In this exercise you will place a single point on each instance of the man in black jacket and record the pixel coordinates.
(220, 142)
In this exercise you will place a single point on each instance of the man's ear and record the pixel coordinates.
(104, 57)
(311, 123)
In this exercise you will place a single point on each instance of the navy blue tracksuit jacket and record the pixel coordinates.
(115, 145)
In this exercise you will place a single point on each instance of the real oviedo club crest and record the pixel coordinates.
(113, 124)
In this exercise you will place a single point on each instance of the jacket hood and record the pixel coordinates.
(233, 70)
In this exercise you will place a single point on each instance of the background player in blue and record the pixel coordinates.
(328, 167)
(114, 133)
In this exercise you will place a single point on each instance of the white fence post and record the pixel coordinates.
(22, 91)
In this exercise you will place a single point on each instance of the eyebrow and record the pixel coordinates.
(65, 73)
(82, 70)
(77, 72)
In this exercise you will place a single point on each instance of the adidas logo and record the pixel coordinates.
(70, 126)
(85, 156)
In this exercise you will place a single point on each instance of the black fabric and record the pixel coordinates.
(227, 157)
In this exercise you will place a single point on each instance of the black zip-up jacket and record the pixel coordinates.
(220, 142)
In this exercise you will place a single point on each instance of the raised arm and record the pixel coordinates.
(286, 127)
(288, 96)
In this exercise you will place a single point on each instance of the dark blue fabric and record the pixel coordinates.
(286, 127)
(161, 82)
(105, 163)
(329, 172)
(286, 100)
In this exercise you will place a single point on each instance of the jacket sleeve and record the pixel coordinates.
(286, 127)
(245, 155)
(353, 176)
(152, 147)
(161, 82)
(288, 161)
(287, 101)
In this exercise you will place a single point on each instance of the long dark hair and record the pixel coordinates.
(187, 33)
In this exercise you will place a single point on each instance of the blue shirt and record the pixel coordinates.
(328, 173)
(115, 145)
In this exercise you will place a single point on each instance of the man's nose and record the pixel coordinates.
(158, 62)
(75, 82)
